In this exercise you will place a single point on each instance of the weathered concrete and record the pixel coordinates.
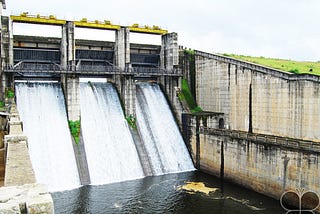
(29, 198)
(126, 88)
(122, 48)
(70, 85)
(169, 57)
(6, 52)
(260, 165)
(2, 166)
(259, 99)
(170, 85)
(64, 47)
(71, 53)
(81, 161)
(18, 170)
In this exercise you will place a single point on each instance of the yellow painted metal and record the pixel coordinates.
(96, 24)
(52, 20)
(147, 29)
(37, 19)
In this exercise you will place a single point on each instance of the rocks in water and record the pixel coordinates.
(28, 198)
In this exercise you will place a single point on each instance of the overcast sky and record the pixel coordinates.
(273, 28)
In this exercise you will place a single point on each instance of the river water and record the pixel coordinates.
(165, 194)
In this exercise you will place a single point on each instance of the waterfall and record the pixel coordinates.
(42, 110)
(110, 149)
(159, 132)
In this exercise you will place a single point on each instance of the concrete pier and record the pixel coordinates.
(169, 51)
(122, 48)
(70, 85)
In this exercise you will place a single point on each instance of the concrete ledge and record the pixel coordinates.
(18, 164)
(15, 138)
(29, 198)
(15, 127)
(15, 122)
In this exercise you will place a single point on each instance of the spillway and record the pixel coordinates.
(110, 149)
(42, 110)
(161, 137)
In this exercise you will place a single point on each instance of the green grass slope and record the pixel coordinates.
(298, 67)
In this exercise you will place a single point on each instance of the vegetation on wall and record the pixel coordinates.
(9, 93)
(189, 51)
(131, 121)
(75, 127)
(190, 57)
(2, 105)
(297, 67)
(185, 94)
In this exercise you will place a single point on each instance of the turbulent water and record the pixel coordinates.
(110, 149)
(42, 110)
(161, 137)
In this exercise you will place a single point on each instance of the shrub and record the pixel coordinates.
(9, 93)
(295, 70)
(131, 121)
(196, 109)
(75, 127)
(191, 52)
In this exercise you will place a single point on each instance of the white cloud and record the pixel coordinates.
(284, 29)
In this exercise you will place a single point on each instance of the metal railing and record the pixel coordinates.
(94, 69)
(152, 71)
(306, 145)
(27, 67)
(34, 67)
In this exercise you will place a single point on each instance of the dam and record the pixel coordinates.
(137, 136)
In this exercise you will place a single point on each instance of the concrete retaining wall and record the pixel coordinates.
(21, 193)
(259, 99)
(266, 167)
(18, 169)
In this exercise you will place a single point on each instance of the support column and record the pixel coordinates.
(71, 46)
(70, 85)
(129, 95)
(169, 56)
(169, 59)
(127, 91)
(122, 48)
(70, 82)
(10, 31)
(64, 47)
(6, 51)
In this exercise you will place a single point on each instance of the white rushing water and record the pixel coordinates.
(110, 149)
(42, 110)
(164, 144)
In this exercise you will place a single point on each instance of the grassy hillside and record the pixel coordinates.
(298, 67)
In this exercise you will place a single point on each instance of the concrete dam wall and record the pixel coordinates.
(258, 99)
(263, 135)
(262, 163)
